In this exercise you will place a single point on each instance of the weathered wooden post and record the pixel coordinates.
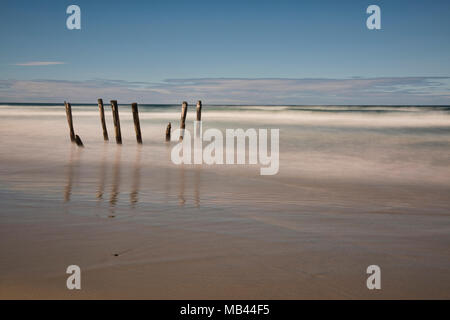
(78, 141)
(115, 113)
(199, 110)
(168, 129)
(137, 126)
(198, 127)
(183, 119)
(69, 120)
(102, 119)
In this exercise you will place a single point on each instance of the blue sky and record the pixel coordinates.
(253, 52)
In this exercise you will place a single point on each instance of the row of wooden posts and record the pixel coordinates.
(116, 120)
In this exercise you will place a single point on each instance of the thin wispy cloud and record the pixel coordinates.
(281, 91)
(38, 63)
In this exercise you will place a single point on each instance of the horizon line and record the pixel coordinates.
(241, 104)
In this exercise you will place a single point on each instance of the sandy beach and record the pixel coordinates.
(357, 186)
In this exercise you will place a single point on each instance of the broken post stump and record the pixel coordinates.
(115, 113)
(137, 127)
(69, 120)
(78, 141)
(183, 119)
(168, 129)
(102, 119)
(199, 110)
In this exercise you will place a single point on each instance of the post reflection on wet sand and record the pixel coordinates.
(115, 183)
(102, 175)
(181, 198)
(181, 183)
(167, 181)
(197, 173)
(134, 195)
(72, 164)
(189, 180)
(182, 180)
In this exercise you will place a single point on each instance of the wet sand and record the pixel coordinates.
(353, 189)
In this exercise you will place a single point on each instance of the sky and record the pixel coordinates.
(226, 52)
